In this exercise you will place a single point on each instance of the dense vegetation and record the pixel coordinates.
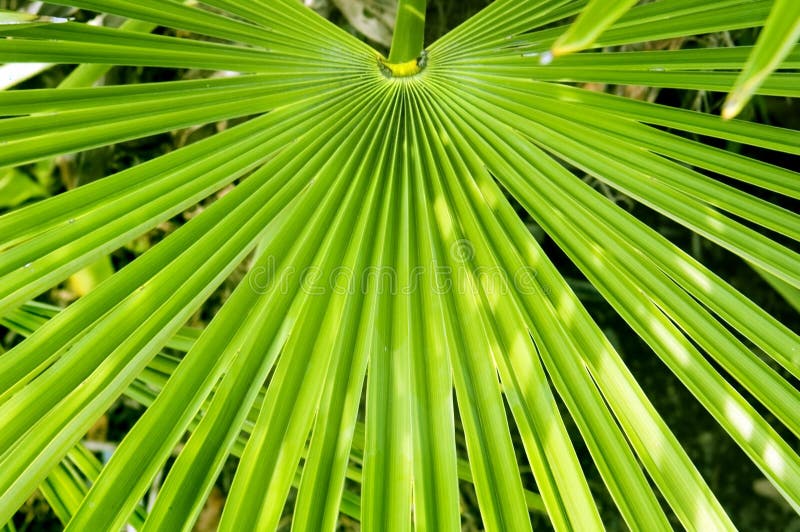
(480, 286)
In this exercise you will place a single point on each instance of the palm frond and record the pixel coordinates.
(395, 300)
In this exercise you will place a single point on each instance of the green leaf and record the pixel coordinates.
(779, 35)
(17, 188)
(595, 18)
(396, 337)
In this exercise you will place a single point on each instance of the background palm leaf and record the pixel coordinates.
(395, 301)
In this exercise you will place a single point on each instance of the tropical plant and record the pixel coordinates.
(396, 301)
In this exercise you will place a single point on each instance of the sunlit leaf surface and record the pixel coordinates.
(396, 307)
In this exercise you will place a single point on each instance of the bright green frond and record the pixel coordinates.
(399, 336)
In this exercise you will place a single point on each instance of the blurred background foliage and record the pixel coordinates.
(749, 498)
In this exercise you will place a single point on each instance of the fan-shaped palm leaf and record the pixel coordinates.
(392, 274)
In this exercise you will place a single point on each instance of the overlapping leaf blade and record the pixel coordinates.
(388, 195)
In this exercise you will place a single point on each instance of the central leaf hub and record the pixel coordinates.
(406, 69)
